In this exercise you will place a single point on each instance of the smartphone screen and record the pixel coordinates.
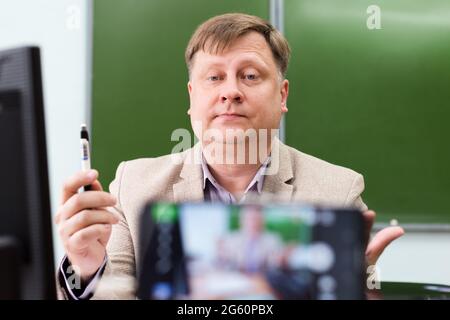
(256, 252)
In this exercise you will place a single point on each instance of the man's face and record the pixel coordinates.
(238, 89)
(252, 222)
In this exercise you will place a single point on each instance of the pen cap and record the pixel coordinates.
(84, 132)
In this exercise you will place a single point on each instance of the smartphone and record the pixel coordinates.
(277, 251)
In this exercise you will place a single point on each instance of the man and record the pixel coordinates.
(237, 65)
(251, 248)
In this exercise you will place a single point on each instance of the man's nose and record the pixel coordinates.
(231, 92)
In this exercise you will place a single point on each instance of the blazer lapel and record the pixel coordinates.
(190, 188)
(279, 173)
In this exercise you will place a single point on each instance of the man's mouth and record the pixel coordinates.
(229, 116)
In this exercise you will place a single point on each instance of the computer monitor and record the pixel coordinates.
(26, 249)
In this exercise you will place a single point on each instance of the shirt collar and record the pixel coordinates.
(257, 180)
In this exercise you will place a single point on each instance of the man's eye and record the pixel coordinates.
(213, 78)
(250, 77)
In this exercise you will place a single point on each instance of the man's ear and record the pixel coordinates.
(284, 95)
(189, 86)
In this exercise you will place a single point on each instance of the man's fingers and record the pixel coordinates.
(84, 200)
(104, 238)
(96, 186)
(369, 218)
(84, 238)
(77, 181)
(84, 219)
(381, 240)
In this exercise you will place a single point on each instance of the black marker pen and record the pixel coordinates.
(85, 153)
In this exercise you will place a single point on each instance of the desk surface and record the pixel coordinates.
(410, 291)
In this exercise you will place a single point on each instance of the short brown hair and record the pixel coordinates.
(219, 32)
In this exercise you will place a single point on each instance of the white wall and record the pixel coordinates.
(62, 29)
(417, 257)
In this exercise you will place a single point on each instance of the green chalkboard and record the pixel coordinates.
(375, 100)
(139, 75)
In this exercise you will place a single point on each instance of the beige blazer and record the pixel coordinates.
(300, 177)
